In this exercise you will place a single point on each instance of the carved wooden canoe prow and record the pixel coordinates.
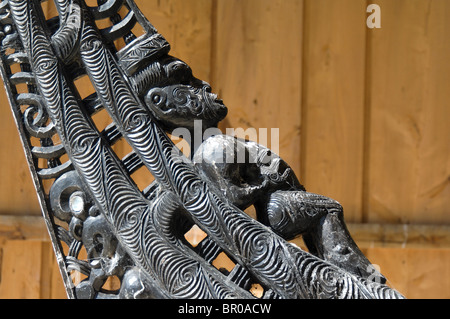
(102, 225)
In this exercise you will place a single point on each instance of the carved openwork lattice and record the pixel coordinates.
(109, 232)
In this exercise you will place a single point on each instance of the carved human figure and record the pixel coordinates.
(176, 98)
(281, 202)
(262, 179)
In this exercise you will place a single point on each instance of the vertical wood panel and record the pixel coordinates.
(409, 162)
(186, 24)
(257, 68)
(52, 286)
(28, 270)
(416, 273)
(21, 270)
(333, 103)
(17, 192)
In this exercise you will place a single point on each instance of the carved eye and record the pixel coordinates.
(156, 99)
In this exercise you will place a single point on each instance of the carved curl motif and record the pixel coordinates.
(138, 236)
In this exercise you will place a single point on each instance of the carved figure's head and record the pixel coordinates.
(181, 98)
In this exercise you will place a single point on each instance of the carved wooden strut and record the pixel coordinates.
(139, 236)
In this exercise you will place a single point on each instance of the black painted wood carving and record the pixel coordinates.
(138, 236)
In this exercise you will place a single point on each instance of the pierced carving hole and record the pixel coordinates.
(91, 3)
(142, 177)
(24, 107)
(138, 30)
(55, 138)
(64, 158)
(47, 184)
(299, 242)
(251, 211)
(120, 43)
(42, 163)
(223, 263)
(64, 246)
(9, 51)
(257, 290)
(82, 254)
(77, 277)
(123, 11)
(103, 23)
(112, 284)
(49, 9)
(195, 235)
(84, 86)
(15, 68)
(122, 148)
(22, 88)
(101, 120)
(34, 141)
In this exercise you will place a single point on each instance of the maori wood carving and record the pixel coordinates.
(91, 203)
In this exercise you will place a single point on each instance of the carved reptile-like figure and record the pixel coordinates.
(89, 199)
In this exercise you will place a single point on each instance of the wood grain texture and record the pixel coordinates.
(17, 192)
(416, 273)
(29, 271)
(409, 160)
(257, 69)
(333, 101)
(186, 24)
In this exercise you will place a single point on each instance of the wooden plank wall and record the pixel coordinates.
(363, 117)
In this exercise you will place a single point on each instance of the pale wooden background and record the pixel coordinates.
(364, 118)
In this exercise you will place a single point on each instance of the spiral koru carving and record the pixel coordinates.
(103, 226)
